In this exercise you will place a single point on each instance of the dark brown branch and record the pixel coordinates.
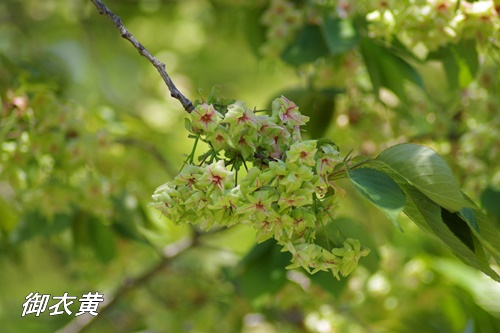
(174, 92)
(82, 323)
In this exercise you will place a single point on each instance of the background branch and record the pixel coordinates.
(82, 323)
(174, 92)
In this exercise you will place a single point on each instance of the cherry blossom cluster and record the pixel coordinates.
(258, 171)
(433, 23)
(282, 20)
(428, 24)
(425, 24)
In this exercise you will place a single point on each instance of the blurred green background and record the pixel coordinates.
(88, 131)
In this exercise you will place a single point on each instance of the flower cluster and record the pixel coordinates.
(286, 192)
(282, 20)
(433, 23)
(47, 155)
(422, 24)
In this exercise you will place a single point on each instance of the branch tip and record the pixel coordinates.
(117, 21)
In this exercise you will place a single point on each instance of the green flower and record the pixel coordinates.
(275, 225)
(245, 145)
(188, 175)
(331, 262)
(197, 200)
(307, 256)
(300, 197)
(327, 209)
(239, 117)
(268, 126)
(231, 199)
(350, 255)
(328, 157)
(278, 168)
(320, 186)
(220, 139)
(258, 204)
(288, 112)
(303, 219)
(273, 138)
(255, 179)
(296, 134)
(295, 177)
(302, 152)
(169, 200)
(216, 177)
(205, 117)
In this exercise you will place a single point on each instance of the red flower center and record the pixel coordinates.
(206, 118)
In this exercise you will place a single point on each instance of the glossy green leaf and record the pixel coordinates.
(490, 199)
(467, 214)
(428, 215)
(458, 227)
(483, 228)
(307, 47)
(340, 34)
(381, 190)
(423, 168)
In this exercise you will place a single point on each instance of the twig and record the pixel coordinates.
(174, 92)
(82, 323)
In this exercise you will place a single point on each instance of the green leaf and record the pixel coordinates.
(423, 168)
(468, 216)
(460, 62)
(329, 283)
(340, 34)
(428, 215)
(33, 224)
(263, 270)
(459, 228)
(307, 47)
(445, 55)
(255, 33)
(489, 201)
(381, 190)
(80, 230)
(483, 228)
(387, 69)
(127, 221)
(102, 239)
(467, 50)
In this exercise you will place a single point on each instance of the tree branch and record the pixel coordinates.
(82, 323)
(174, 92)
